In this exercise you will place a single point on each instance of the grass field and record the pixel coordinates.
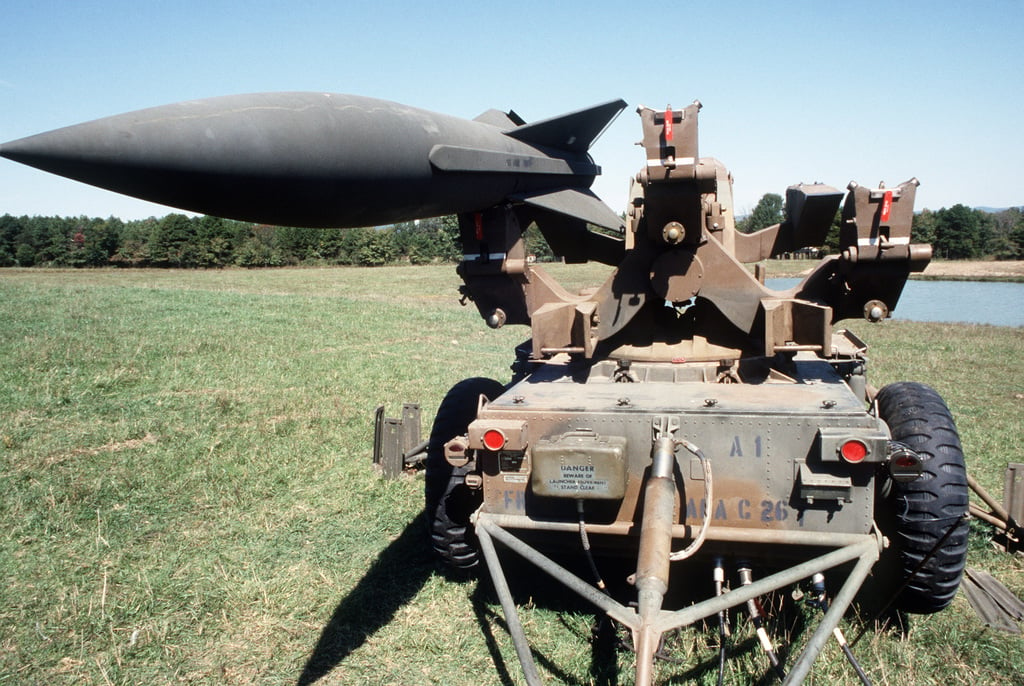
(188, 495)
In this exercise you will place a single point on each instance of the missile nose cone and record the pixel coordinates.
(17, 150)
(227, 157)
(33, 150)
(97, 153)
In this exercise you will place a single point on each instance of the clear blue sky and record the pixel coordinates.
(792, 92)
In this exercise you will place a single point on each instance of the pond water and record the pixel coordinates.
(975, 302)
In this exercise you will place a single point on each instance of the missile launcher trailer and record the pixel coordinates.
(681, 412)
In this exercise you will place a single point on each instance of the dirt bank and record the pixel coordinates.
(975, 270)
(971, 270)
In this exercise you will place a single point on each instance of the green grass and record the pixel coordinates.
(188, 496)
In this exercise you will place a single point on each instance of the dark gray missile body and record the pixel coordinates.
(329, 160)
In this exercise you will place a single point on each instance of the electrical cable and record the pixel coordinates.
(756, 616)
(910, 577)
(699, 540)
(818, 586)
(723, 619)
(585, 540)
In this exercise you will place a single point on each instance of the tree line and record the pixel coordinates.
(179, 241)
(956, 233)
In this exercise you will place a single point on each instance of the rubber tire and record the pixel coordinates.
(449, 503)
(916, 515)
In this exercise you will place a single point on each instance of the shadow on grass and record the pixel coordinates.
(397, 576)
(549, 596)
(393, 580)
(605, 640)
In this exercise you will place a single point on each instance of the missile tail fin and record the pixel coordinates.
(576, 203)
(564, 217)
(573, 132)
(500, 119)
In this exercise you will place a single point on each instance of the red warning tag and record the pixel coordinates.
(886, 206)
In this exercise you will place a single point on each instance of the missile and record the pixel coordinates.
(330, 160)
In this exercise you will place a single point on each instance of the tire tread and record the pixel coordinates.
(922, 511)
(449, 502)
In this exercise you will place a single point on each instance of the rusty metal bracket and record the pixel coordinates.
(1006, 519)
(396, 441)
(664, 425)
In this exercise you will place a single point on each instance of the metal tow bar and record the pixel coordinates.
(652, 569)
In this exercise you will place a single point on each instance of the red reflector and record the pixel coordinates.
(886, 206)
(853, 451)
(478, 225)
(494, 440)
(668, 124)
(905, 466)
(905, 462)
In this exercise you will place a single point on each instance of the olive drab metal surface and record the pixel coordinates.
(680, 412)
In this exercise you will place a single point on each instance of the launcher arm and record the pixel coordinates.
(681, 246)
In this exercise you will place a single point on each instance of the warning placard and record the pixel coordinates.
(578, 478)
(579, 465)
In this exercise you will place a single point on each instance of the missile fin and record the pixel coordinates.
(576, 203)
(500, 119)
(456, 158)
(573, 132)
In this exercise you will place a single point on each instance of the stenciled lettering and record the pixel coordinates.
(737, 508)
(736, 450)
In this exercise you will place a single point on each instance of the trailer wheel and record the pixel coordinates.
(449, 503)
(917, 515)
